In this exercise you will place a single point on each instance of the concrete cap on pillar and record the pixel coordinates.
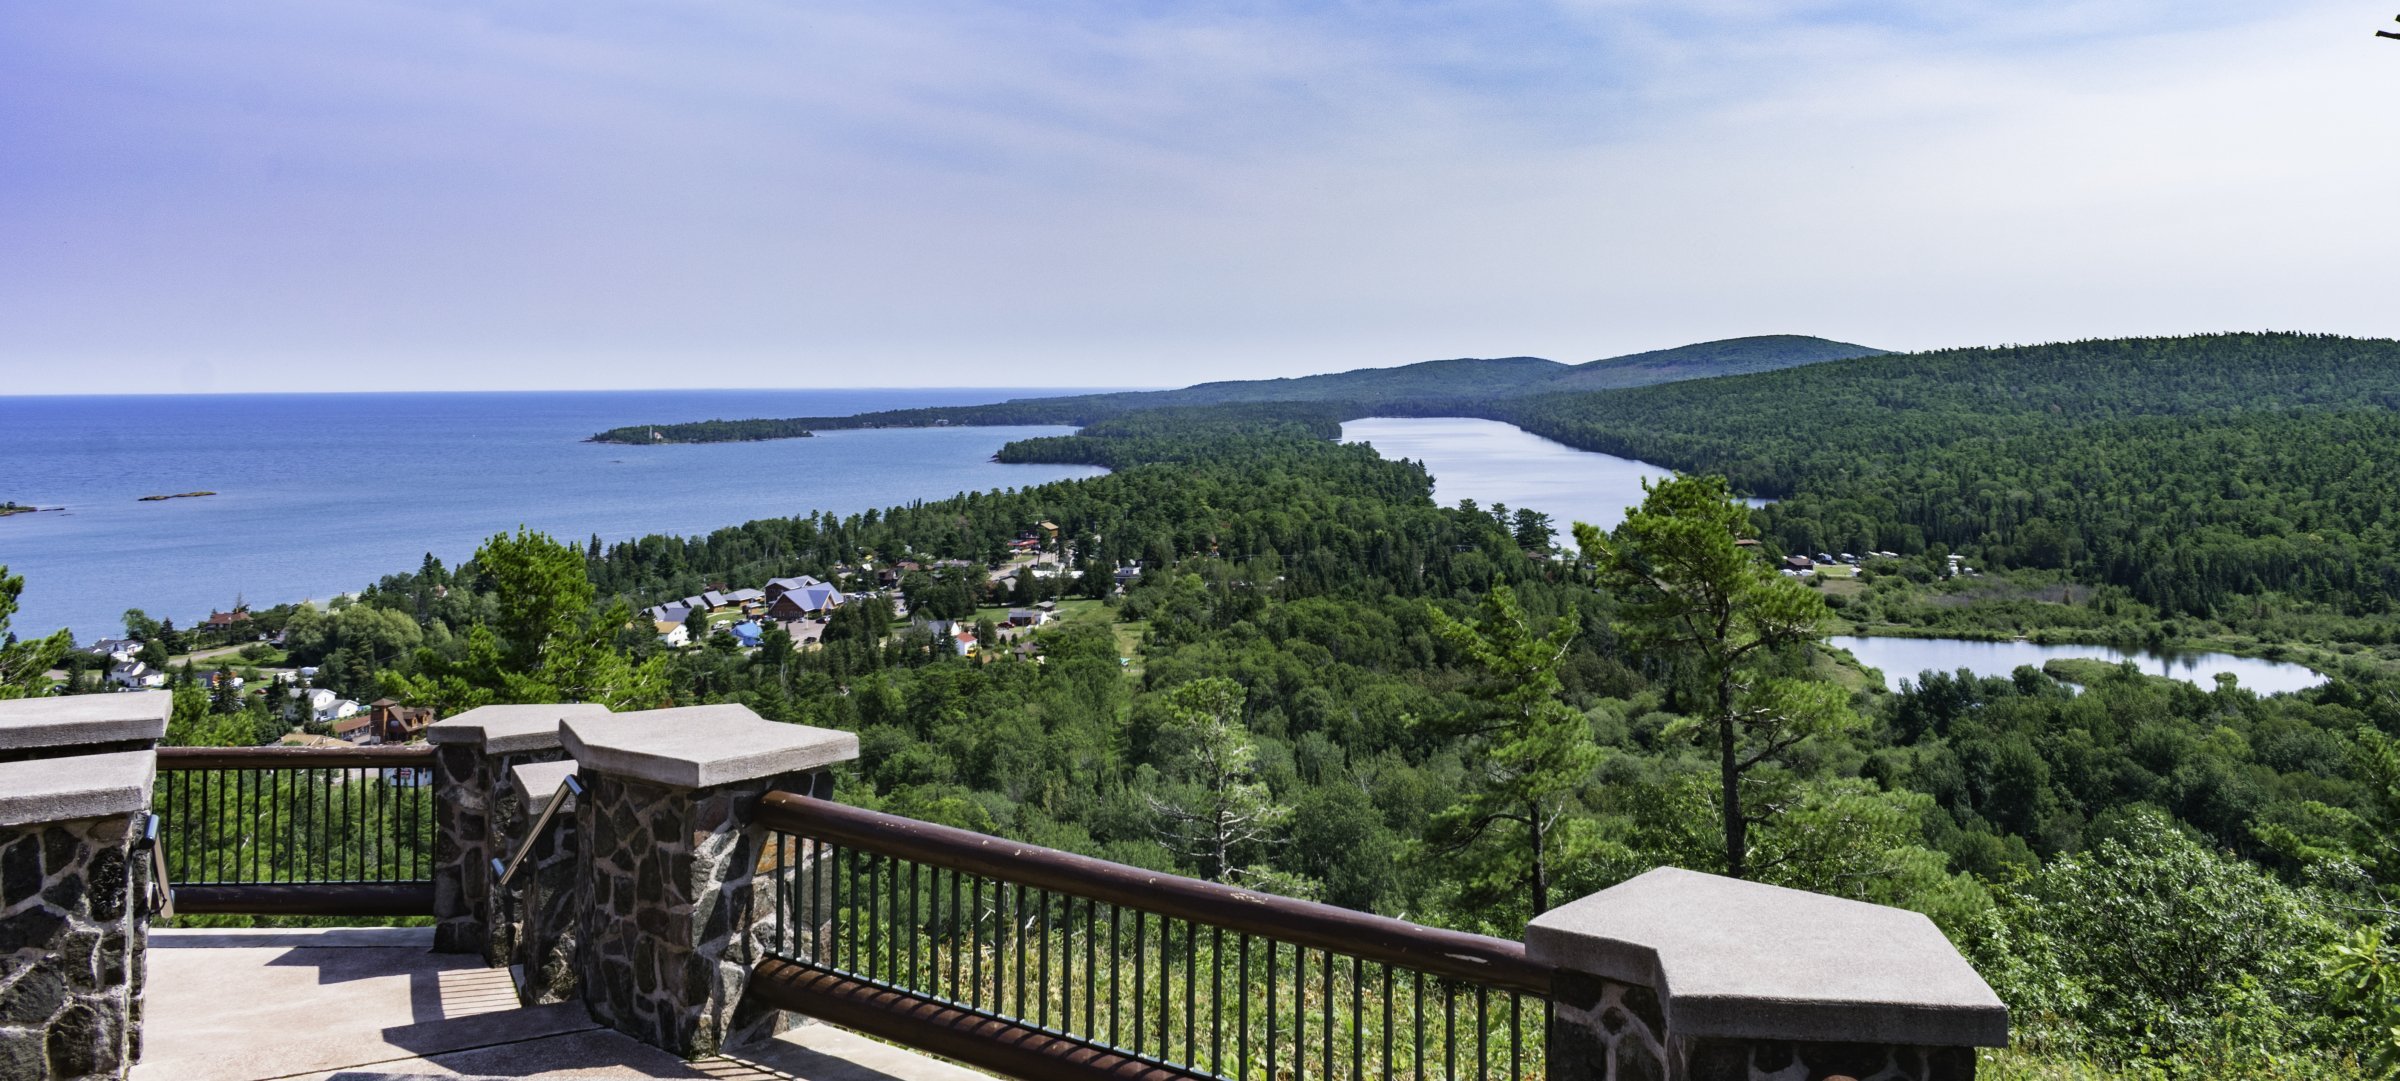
(510, 729)
(81, 786)
(1742, 960)
(538, 781)
(78, 719)
(699, 746)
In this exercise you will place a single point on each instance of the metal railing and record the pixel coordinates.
(1027, 960)
(338, 831)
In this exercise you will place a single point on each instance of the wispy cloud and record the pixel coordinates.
(356, 193)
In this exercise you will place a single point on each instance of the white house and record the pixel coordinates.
(672, 635)
(136, 676)
(324, 705)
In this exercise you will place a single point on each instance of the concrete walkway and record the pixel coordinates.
(375, 1004)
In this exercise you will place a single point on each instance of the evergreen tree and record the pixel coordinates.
(1694, 594)
(1216, 807)
(25, 665)
(1532, 754)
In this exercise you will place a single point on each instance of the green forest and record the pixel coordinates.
(1427, 388)
(1429, 711)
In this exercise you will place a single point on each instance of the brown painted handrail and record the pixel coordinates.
(1494, 962)
(174, 758)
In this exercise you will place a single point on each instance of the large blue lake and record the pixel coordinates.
(324, 493)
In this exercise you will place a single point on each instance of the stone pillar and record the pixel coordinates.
(476, 813)
(546, 888)
(72, 918)
(670, 913)
(1682, 976)
(83, 724)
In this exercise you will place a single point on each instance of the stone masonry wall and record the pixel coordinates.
(478, 817)
(1602, 1030)
(71, 945)
(669, 923)
(1781, 1060)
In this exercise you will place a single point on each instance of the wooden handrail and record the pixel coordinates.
(175, 758)
(1494, 962)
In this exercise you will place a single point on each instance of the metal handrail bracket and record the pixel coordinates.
(504, 874)
(162, 895)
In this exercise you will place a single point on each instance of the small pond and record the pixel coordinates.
(1904, 658)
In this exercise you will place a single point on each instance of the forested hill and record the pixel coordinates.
(2189, 470)
(1429, 386)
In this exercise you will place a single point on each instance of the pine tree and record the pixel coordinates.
(1532, 754)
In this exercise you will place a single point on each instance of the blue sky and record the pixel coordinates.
(342, 194)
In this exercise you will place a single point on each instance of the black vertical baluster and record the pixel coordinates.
(1273, 978)
(1041, 926)
(1449, 1029)
(1066, 967)
(1327, 1061)
(243, 782)
(1417, 1009)
(1141, 1002)
(1016, 930)
(956, 915)
(1516, 1035)
(1216, 1000)
(1166, 989)
(1483, 1030)
(1358, 1030)
(835, 924)
(216, 824)
(1091, 969)
(1241, 1011)
(1191, 1002)
(1386, 1071)
(893, 919)
(916, 928)
(975, 892)
(1116, 970)
(1299, 1011)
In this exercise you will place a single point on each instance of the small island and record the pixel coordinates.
(178, 495)
(14, 507)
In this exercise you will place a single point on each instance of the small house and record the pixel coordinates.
(672, 633)
(805, 602)
(136, 676)
(777, 587)
(746, 634)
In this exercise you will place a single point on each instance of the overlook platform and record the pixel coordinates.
(374, 1004)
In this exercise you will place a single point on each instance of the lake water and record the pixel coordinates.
(1906, 658)
(1490, 462)
(324, 493)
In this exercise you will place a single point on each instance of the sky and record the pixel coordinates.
(368, 194)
